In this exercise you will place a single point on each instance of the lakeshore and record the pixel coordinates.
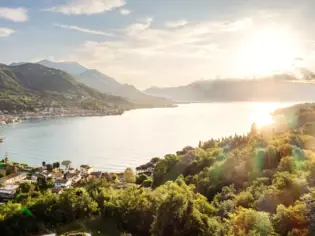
(113, 143)
(246, 171)
(53, 113)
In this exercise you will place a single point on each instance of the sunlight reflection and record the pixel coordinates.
(261, 112)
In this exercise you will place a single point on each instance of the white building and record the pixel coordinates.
(62, 183)
(8, 191)
(86, 169)
(46, 174)
(72, 170)
(73, 177)
(34, 177)
(12, 179)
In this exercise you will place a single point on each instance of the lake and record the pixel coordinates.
(113, 143)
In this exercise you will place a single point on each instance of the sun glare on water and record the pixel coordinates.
(270, 51)
(260, 113)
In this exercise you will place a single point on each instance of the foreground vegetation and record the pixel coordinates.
(256, 184)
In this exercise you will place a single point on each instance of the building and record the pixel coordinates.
(57, 175)
(8, 192)
(34, 177)
(97, 174)
(46, 174)
(73, 177)
(12, 179)
(62, 183)
(86, 169)
(57, 190)
(72, 170)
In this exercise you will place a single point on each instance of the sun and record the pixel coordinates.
(268, 51)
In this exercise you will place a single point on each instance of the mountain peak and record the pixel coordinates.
(72, 68)
(17, 63)
(44, 61)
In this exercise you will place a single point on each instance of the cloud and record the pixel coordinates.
(125, 12)
(5, 32)
(138, 27)
(238, 25)
(14, 14)
(145, 55)
(84, 30)
(175, 24)
(87, 7)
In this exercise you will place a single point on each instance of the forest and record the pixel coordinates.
(254, 184)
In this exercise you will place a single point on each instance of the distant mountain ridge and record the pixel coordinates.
(72, 68)
(103, 83)
(18, 63)
(276, 88)
(96, 79)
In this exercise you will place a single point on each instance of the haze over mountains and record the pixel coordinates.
(106, 84)
(283, 87)
(72, 68)
(275, 88)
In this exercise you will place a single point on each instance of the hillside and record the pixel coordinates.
(106, 84)
(278, 88)
(96, 79)
(252, 184)
(30, 85)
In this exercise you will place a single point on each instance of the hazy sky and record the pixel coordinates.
(161, 42)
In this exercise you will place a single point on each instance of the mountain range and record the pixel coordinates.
(27, 85)
(275, 88)
(58, 76)
(103, 83)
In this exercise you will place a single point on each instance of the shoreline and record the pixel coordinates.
(13, 118)
(7, 118)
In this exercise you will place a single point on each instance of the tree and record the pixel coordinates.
(287, 164)
(163, 168)
(289, 218)
(43, 163)
(10, 170)
(285, 150)
(245, 199)
(41, 183)
(49, 167)
(155, 160)
(271, 159)
(66, 164)
(129, 176)
(26, 187)
(114, 178)
(147, 183)
(77, 203)
(141, 178)
(50, 183)
(56, 165)
(250, 222)
(181, 212)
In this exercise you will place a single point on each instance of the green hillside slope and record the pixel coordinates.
(27, 86)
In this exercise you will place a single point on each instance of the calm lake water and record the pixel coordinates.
(113, 143)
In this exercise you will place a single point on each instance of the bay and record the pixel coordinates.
(113, 143)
